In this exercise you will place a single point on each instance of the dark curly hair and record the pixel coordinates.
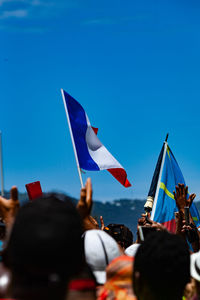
(121, 234)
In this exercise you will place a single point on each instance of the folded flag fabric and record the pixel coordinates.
(92, 154)
(164, 205)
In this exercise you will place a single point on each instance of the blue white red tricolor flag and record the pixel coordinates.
(92, 154)
(164, 205)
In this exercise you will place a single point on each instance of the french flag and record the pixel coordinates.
(92, 155)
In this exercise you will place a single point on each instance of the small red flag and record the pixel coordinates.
(34, 190)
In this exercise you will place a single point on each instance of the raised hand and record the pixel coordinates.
(84, 205)
(159, 226)
(180, 196)
(102, 223)
(192, 233)
(190, 200)
(145, 220)
(9, 207)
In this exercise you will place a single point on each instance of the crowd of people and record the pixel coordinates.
(54, 250)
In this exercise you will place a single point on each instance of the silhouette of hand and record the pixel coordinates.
(9, 207)
(84, 205)
(180, 196)
(102, 223)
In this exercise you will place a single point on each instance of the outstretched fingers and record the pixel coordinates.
(89, 193)
(191, 198)
(14, 193)
(186, 190)
(82, 196)
(84, 205)
(182, 188)
(102, 223)
(177, 191)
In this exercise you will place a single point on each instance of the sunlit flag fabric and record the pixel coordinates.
(165, 205)
(92, 155)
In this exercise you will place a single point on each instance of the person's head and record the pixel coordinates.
(195, 269)
(45, 246)
(121, 234)
(119, 279)
(161, 267)
(100, 250)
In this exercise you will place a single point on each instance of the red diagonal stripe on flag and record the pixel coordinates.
(95, 129)
(120, 175)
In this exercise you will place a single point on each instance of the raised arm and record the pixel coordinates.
(84, 207)
(9, 207)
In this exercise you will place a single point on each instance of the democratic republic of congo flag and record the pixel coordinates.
(164, 205)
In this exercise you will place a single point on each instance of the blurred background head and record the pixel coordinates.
(161, 267)
(119, 275)
(100, 250)
(121, 234)
(45, 246)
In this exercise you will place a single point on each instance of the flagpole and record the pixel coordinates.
(1, 162)
(159, 178)
(72, 138)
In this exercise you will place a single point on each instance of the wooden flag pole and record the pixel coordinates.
(1, 163)
(72, 138)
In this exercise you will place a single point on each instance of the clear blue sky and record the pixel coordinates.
(133, 65)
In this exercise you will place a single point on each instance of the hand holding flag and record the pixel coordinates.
(165, 202)
(9, 207)
(84, 205)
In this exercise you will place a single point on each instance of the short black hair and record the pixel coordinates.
(163, 261)
(45, 240)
